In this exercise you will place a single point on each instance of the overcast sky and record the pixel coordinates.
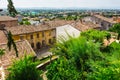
(64, 3)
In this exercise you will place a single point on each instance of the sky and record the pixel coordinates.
(63, 3)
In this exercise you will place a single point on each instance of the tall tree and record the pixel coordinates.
(11, 9)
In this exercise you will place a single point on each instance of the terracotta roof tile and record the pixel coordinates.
(23, 48)
(22, 29)
(7, 18)
(3, 38)
(82, 26)
(105, 19)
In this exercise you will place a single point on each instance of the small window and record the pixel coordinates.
(21, 37)
(38, 35)
(31, 36)
(50, 41)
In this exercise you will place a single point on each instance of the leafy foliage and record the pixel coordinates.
(116, 28)
(24, 22)
(96, 35)
(24, 69)
(85, 58)
(78, 52)
(108, 69)
(2, 52)
(61, 71)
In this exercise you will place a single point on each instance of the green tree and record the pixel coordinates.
(11, 9)
(27, 23)
(96, 35)
(59, 70)
(86, 58)
(116, 28)
(11, 43)
(24, 69)
(77, 53)
(109, 67)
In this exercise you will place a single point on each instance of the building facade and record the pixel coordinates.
(38, 36)
(103, 22)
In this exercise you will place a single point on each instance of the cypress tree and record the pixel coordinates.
(11, 9)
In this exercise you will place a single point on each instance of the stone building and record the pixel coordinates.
(103, 22)
(8, 21)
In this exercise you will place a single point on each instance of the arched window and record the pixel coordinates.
(38, 45)
(50, 41)
(32, 45)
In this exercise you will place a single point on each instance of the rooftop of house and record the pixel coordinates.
(110, 20)
(7, 18)
(23, 48)
(24, 29)
(82, 26)
(3, 38)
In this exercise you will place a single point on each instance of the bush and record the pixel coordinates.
(76, 53)
(24, 69)
(83, 59)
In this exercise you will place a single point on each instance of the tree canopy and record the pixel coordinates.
(85, 58)
(24, 69)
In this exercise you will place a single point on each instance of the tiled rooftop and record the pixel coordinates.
(23, 48)
(7, 18)
(82, 26)
(31, 28)
(3, 38)
(105, 19)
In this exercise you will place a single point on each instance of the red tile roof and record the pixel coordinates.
(23, 48)
(3, 38)
(105, 18)
(7, 18)
(23, 29)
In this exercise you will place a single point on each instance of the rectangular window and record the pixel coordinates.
(37, 35)
(50, 33)
(21, 37)
(31, 36)
(43, 34)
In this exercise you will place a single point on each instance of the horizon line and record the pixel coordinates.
(63, 8)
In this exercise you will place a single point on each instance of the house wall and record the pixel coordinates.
(9, 23)
(104, 25)
(40, 39)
